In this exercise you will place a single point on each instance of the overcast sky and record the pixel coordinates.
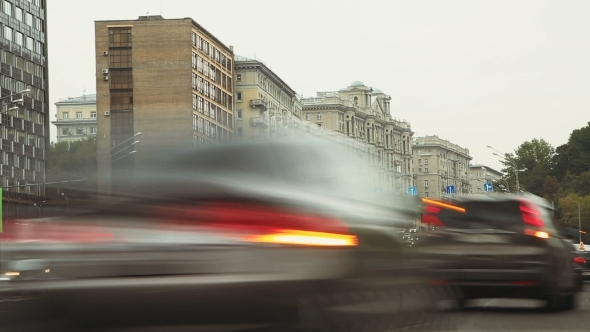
(473, 72)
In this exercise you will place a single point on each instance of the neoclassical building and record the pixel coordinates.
(363, 114)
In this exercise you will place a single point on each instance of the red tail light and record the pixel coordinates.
(579, 260)
(430, 216)
(530, 215)
(268, 225)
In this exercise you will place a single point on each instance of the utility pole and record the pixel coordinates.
(579, 224)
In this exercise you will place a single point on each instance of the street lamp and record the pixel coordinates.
(67, 202)
(17, 101)
(38, 210)
(511, 163)
(579, 225)
(122, 149)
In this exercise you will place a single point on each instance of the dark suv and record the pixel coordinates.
(501, 246)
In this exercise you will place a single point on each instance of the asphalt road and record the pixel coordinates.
(524, 315)
(481, 315)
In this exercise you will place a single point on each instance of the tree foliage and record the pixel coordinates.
(560, 175)
(574, 157)
(533, 160)
(73, 160)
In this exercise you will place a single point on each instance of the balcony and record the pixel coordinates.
(259, 122)
(259, 103)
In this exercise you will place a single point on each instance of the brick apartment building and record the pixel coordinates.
(160, 84)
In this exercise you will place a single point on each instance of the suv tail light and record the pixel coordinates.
(430, 216)
(579, 260)
(263, 224)
(530, 214)
(433, 207)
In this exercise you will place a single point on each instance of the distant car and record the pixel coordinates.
(502, 246)
(583, 260)
(242, 234)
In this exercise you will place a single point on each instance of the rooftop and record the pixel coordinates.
(78, 100)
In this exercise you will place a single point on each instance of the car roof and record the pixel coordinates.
(502, 197)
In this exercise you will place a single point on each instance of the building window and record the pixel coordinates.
(121, 100)
(79, 131)
(121, 79)
(201, 104)
(65, 115)
(93, 115)
(308, 117)
(426, 194)
(120, 58)
(65, 131)
(238, 96)
(120, 37)
(8, 33)
(238, 77)
(7, 8)
(79, 115)
(93, 130)
(238, 114)
(319, 116)
(426, 183)
(426, 170)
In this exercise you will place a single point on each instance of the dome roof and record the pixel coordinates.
(357, 83)
(377, 91)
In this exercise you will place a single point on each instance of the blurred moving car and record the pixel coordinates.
(502, 246)
(252, 234)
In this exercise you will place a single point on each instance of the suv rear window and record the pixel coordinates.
(491, 214)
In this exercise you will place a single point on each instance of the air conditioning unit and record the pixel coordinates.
(106, 78)
(105, 71)
(107, 113)
(105, 52)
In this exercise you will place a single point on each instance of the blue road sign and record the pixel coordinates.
(488, 187)
(450, 189)
(413, 191)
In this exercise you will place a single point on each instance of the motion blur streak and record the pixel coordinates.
(298, 235)
(305, 238)
(443, 205)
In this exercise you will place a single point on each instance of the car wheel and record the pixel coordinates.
(553, 303)
(569, 302)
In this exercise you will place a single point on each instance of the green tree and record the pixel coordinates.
(533, 160)
(573, 157)
(551, 188)
(71, 161)
(569, 216)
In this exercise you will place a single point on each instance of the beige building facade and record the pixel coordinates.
(439, 164)
(481, 174)
(161, 84)
(363, 114)
(75, 118)
(266, 106)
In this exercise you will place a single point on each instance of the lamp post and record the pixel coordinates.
(17, 101)
(67, 202)
(38, 210)
(114, 154)
(511, 163)
(579, 225)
